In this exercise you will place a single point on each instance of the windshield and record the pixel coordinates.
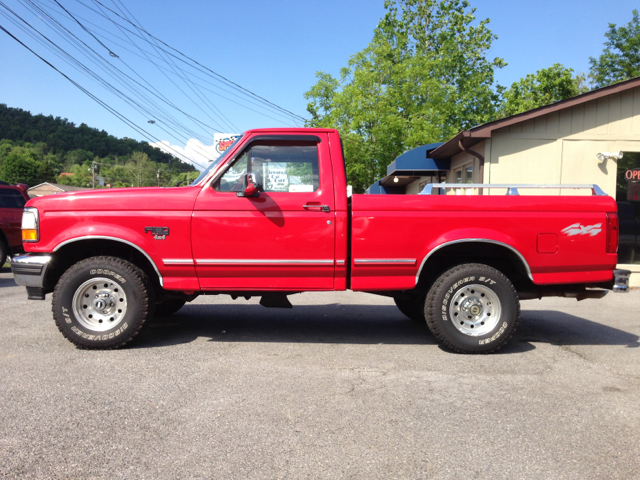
(216, 161)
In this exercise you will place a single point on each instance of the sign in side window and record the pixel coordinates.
(287, 168)
(280, 166)
(628, 198)
(11, 199)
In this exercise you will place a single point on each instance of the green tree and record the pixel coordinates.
(620, 59)
(546, 86)
(18, 168)
(80, 176)
(423, 78)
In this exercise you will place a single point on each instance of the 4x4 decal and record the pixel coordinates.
(577, 229)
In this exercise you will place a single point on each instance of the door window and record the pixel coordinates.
(279, 166)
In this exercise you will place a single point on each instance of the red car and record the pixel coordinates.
(12, 200)
(271, 217)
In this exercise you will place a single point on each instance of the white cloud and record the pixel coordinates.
(194, 151)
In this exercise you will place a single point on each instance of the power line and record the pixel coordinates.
(169, 118)
(196, 62)
(96, 99)
(186, 79)
(107, 85)
(147, 56)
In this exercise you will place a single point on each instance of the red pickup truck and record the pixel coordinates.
(271, 217)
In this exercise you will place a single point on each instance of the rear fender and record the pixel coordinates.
(474, 235)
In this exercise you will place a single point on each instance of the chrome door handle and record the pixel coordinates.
(324, 208)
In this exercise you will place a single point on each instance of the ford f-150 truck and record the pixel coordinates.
(271, 217)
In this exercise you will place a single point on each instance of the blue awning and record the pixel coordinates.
(407, 168)
(417, 160)
(378, 189)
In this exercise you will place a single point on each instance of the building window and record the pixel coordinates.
(464, 174)
(628, 198)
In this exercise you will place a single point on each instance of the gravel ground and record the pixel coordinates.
(341, 386)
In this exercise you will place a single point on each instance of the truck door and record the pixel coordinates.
(281, 239)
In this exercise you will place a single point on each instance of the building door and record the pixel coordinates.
(628, 199)
(282, 239)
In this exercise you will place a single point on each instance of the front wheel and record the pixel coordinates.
(102, 302)
(472, 308)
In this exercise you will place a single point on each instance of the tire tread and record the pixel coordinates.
(146, 309)
(432, 312)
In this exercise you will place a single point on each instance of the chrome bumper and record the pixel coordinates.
(29, 271)
(621, 281)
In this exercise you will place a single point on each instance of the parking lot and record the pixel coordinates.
(341, 386)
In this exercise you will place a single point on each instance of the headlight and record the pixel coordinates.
(30, 225)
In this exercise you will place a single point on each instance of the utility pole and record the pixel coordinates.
(93, 174)
(158, 174)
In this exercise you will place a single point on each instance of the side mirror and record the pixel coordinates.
(251, 186)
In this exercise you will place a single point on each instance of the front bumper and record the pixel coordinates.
(621, 281)
(29, 270)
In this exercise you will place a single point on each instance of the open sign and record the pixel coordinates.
(632, 175)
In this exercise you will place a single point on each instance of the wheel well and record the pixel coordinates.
(497, 256)
(73, 252)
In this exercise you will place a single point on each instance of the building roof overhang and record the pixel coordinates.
(475, 135)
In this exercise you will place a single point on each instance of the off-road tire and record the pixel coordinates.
(451, 291)
(412, 307)
(133, 289)
(166, 308)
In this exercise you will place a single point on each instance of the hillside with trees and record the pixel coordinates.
(38, 148)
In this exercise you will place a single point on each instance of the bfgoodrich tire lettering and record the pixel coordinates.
(102, 302)
(472, 308)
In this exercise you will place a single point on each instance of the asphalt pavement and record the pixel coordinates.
(340, 386)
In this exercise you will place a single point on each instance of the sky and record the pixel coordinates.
(272, 49)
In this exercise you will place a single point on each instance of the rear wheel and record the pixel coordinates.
(472, 308)
(102, 302)
(412, 307)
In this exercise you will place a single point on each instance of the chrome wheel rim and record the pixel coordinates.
(99, 304)
(475, 310)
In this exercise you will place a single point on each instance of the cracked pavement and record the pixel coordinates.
(341, 386)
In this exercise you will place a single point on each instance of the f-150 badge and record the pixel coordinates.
(577, 229)
(159, 233)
